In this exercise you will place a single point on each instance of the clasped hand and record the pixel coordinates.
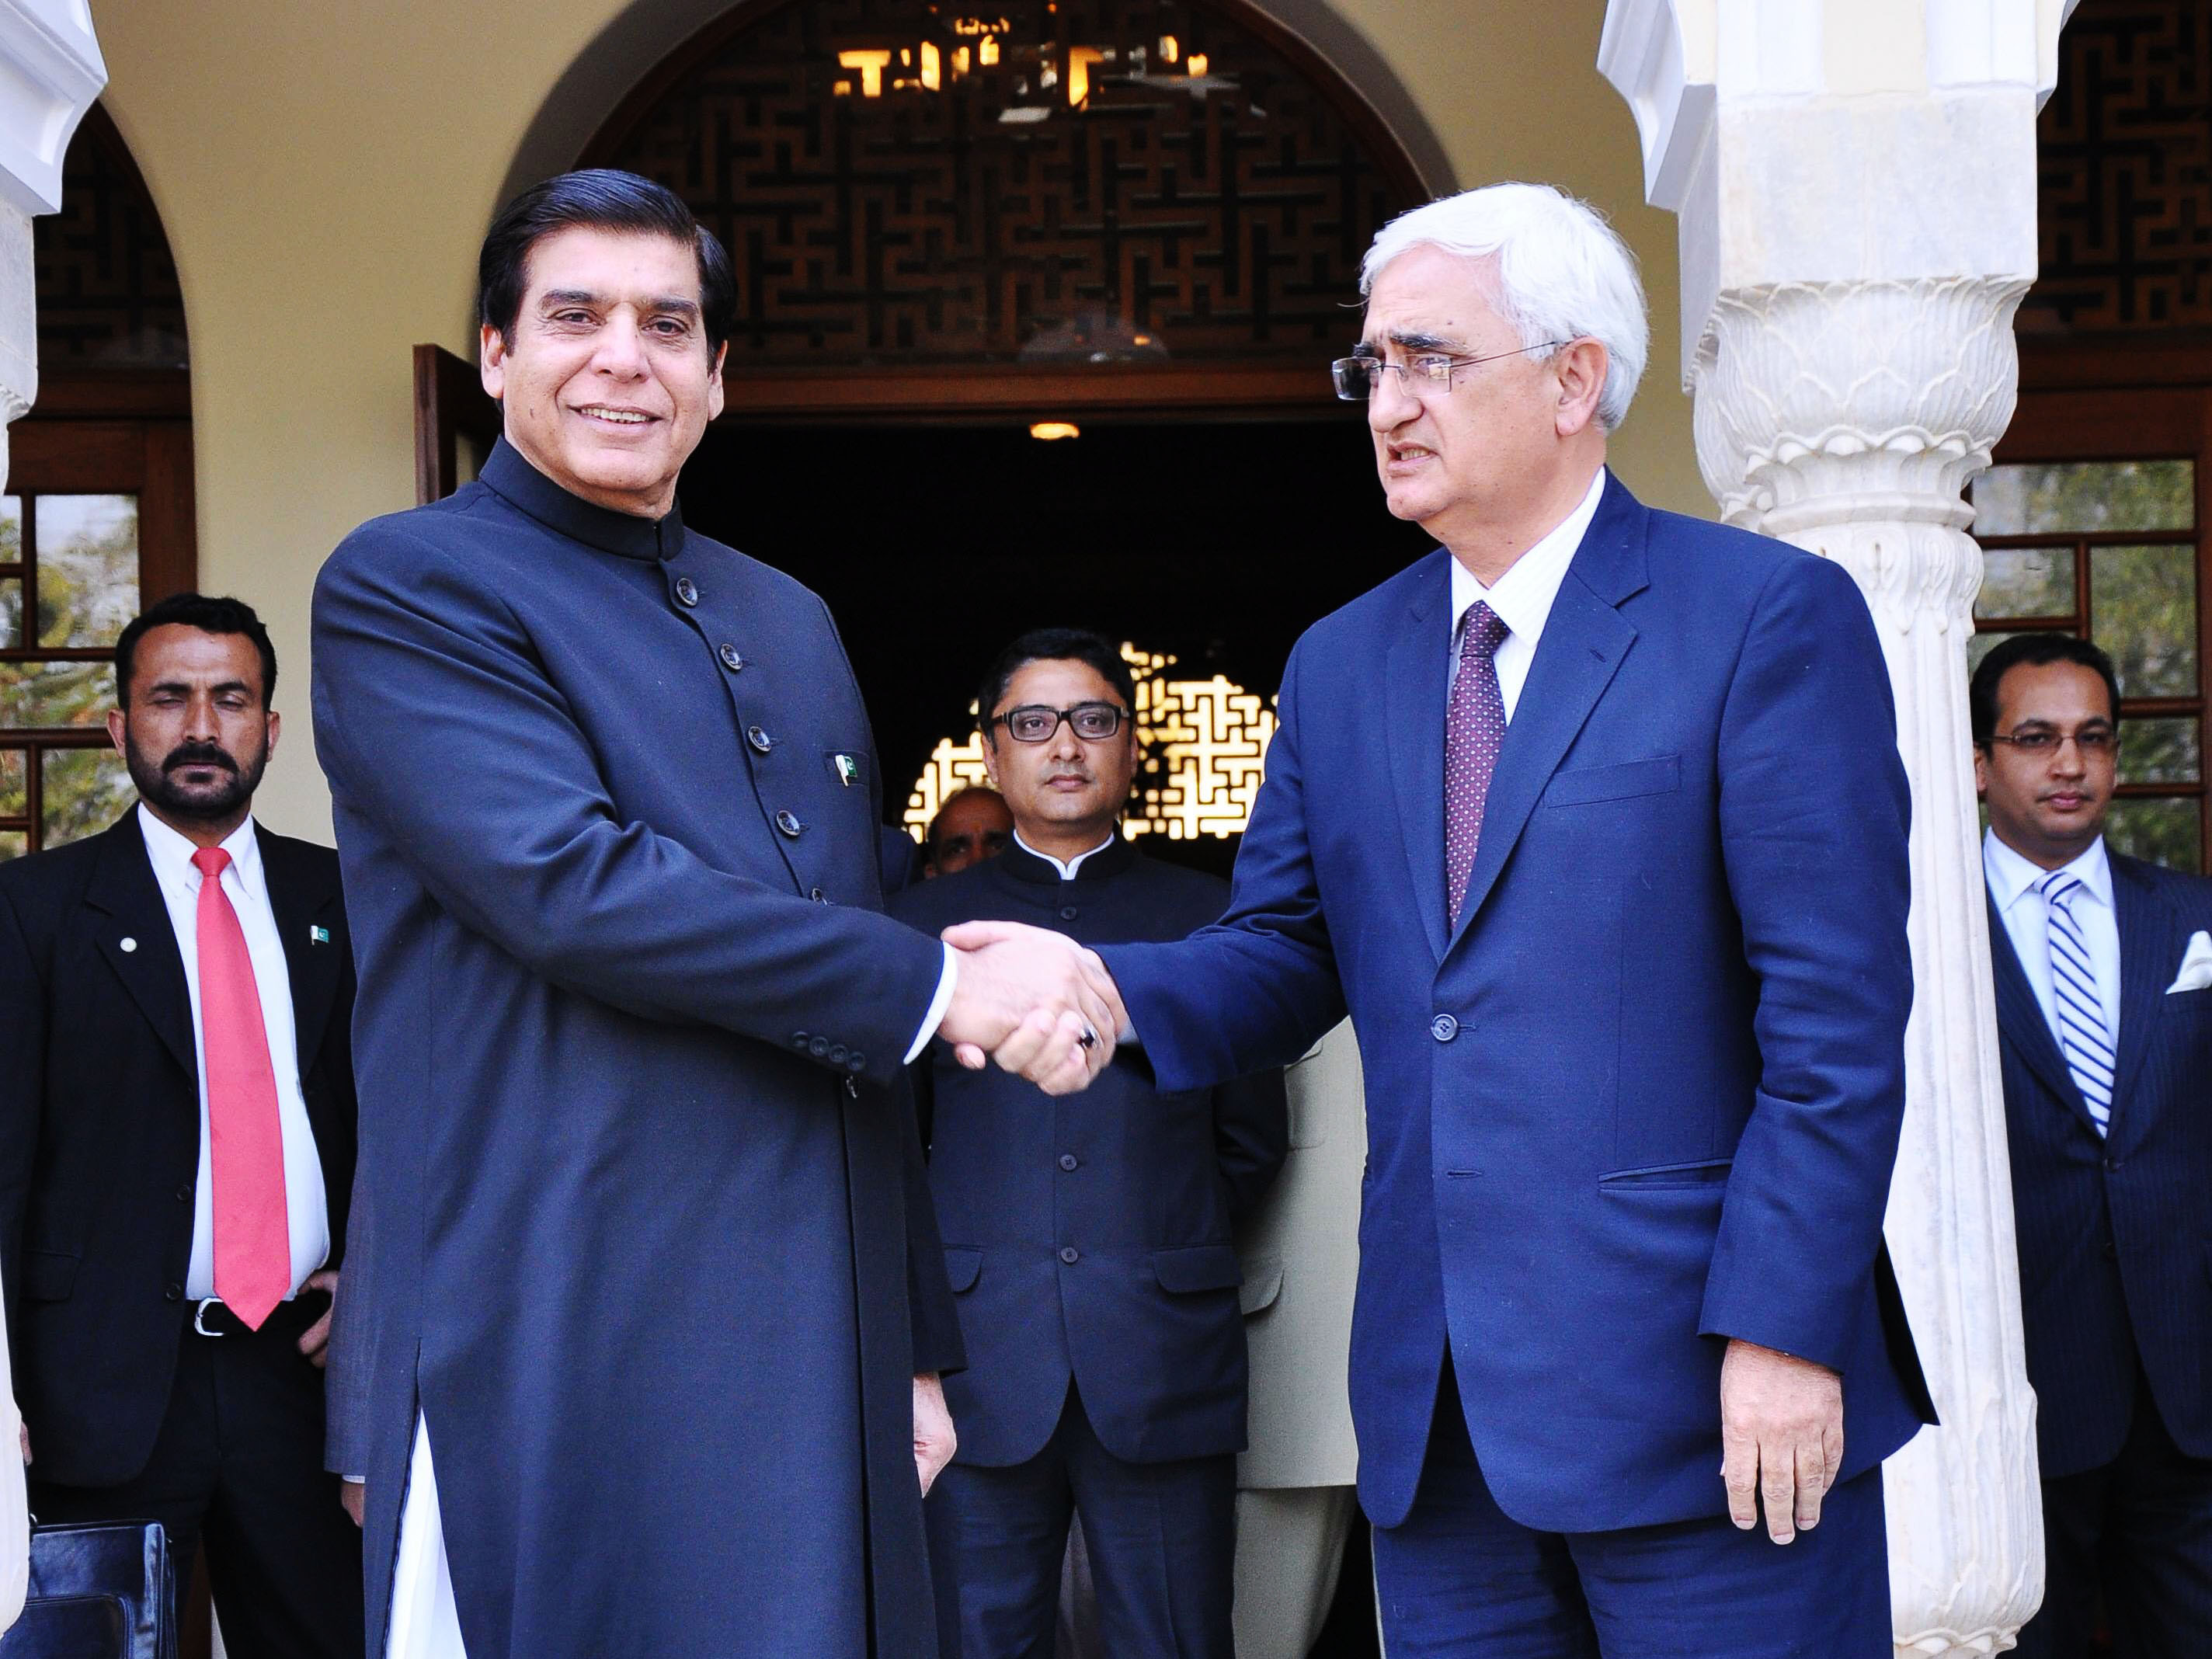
(1034, 1001)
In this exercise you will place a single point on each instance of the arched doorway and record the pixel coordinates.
(1142, 218)
(98, 518)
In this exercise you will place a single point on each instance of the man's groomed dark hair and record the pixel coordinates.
(1055, 645)
(602, 198)
(210, 616)
(2037, 651)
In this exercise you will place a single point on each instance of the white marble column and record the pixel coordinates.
(1856, 186)
(50, 72)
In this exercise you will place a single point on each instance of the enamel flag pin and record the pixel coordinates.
(848, 769)
(319, 935)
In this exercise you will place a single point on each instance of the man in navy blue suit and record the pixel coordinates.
(2104, 989)
(1090, 1242)
(1625, 948)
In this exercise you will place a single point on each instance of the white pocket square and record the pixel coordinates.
(2195, 964)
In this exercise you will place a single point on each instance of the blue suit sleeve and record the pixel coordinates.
(1251, 1137)
(435, 720)
(1814, 817)
(1255, 990)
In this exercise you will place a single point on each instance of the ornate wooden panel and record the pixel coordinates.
(1085, 181)
(2125, 165)
(107, 288)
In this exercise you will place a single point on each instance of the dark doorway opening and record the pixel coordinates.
(935, 545)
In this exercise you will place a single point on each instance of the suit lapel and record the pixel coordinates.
(1585, 640)
(133, 932)
(2151, 943)
(1414, 682)
(2022, 1023)
(300, 901)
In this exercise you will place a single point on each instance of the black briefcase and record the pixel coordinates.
(102, 1590)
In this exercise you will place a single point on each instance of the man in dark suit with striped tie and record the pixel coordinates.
(2104, 993)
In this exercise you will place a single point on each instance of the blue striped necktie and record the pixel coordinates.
(2082, 1034)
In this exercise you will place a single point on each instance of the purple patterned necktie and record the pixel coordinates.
(1473, 729)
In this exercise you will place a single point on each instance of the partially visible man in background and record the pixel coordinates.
(1088, 1243)
(2104, 993)
(177, 1147)
(972, 824)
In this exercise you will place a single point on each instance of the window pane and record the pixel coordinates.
(88, 568)
(2162, 832)
(82, 791)
(13, 800)
(11, 529)
(2142, 605)
(2160, 751)
(13, 843)
(2027, 582)
(54, 693)
(1980, 645)
(2081, 496)
(11, 611)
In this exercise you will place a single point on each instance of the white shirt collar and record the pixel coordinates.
(1523, 596)
(2011, 873)
(1068, 868)
(171, 853)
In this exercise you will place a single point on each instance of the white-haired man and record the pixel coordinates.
(1631, 992)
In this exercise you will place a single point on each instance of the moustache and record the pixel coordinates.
(198, 754)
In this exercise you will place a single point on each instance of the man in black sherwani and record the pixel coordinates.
(1089, 1242)
(643, 1372)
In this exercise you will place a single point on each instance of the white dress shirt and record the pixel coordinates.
(2015, 889)
(247, 888)
(1067, 868)
(1522, 598)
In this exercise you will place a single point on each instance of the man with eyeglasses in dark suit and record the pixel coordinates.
(2103, 966)
(1088, 1242)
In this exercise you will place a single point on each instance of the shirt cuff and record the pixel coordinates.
(938, 1005)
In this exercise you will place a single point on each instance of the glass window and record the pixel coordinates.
(87, 569)
(2027, 582)
(2085, 496)
(13, 843)
(81, 792)
(11, 612)
(2162, 830)
(14, 798)
(2153, 750)
(2142, 605)
(48, 694)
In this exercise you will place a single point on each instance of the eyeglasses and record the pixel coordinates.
(1356, 377)
(1094, 722)
(2094, 744)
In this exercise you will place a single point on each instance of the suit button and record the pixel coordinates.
(173, 1292)
(819, 1048)
(731, 658)
(856, 1062)
(789, 824)
(2112, 1163)
(1068, 913)
(818, 895)
(759, 739)
(1443, 1027)
(799, 1041)
(687, 591)
(1069, 1161)
(184, 1193)
(1070, 1254)
(837, 1053)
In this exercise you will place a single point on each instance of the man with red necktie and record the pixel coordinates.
(177, 1147)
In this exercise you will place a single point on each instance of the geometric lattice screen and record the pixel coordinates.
(1091, 181)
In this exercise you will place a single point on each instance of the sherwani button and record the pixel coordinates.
(731, 658)
(687, 591)
(1069, 1161)
(1070, 1254)
(759, 738)
(789, 824)
(1068, 913)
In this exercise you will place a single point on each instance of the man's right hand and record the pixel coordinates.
(1034, 1001)
(23, 1429)
(353, 1498)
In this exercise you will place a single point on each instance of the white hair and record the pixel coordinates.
(1561, 272)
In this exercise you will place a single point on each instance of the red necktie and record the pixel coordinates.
(252, 1229)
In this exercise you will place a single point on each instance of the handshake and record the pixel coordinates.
(1035, 1001)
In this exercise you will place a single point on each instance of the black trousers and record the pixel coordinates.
(239, 1462)
(2140, 1530)
(1161, 1537)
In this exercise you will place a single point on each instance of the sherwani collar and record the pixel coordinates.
(522, 486)
(1108, 861)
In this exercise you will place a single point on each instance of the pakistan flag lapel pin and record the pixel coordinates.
(848, 770)
(319, 935)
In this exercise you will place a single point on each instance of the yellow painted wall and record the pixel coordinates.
(326, 172)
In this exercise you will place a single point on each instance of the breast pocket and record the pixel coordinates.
(1586, 785)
